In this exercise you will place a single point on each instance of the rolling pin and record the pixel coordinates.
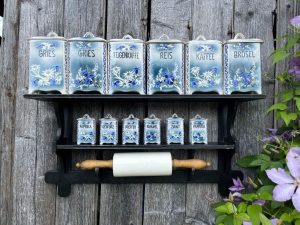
(143, 164)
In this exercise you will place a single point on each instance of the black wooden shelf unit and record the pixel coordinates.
(66, 176)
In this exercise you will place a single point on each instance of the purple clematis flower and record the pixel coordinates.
(288, 185)
(295, 67)
(295, 21)
(237, 185)
(273, 221)
(286, 135)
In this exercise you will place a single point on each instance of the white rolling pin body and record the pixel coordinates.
(142, 164)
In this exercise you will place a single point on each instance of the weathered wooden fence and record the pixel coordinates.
(28, 127)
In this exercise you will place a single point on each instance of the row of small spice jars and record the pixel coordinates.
(86, 130)
(119, 66)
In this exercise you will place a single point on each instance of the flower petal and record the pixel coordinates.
(279, 176)
(274, 221)
(283, 192)
(296, 199)
(293, 162)
(247, 223)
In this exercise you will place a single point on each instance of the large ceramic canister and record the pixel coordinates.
(175, 130)
(126, 65)
(198, 130)
(108, 130)
(165, 60)
(47, 64)
(87, 64)
(152, 130)
(130, 130)
(86, 130)
(204, 66)
(242, 65)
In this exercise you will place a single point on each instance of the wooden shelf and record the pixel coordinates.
(136, 97)
(141, 148)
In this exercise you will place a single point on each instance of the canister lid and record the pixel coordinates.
(198, 117)
(175, 117)
(108, 117)
(51, 35)
(202, 40)
(164, 39)
(127, 38)
(131, 117)
(86, 117)
(151, 117)
(239, 37)
(88, 37)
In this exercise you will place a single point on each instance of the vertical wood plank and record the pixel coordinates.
(48, 19)
(122, 204)
(8, 71)
(254, 19)
(81, 207)
(25, 134)
(165, 203)
(213, 19)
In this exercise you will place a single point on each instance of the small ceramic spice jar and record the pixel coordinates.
(152, 130)
(86, 130)
(130, 130)
(175, 130)
(47, 64)
(242, 65)
(198, 130)
(165, 60)
(108, 130)
(126, 65)
(87, 64)
(204, 66)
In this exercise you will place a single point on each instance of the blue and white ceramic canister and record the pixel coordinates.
(108, 130)
(242, 65)
(126, 65)
(152, 130)
(175, 130)
(47, 64)
(130, 130)
(87, 64)
(86, 130)
(204, 66)
(198, 130)
(165, 60)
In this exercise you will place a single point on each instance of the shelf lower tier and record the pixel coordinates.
(140, 148)
(142, 98)
(64, 180)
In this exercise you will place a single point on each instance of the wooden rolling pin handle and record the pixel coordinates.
(190, 164)
(93, 164)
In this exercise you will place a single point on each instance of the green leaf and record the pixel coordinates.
(265, 196)
(247, 160)
(237, 220)
(280, 55)
(288, 117)
(266, 188)
(244, 216)
(264, 157)
(228, 220)
(278, 106)
(220, 219)
(286, 217)
(242, 207)
(264, 220)
(291, 42)
(264, 166)
(253, 212)
(275, 204)
(297, 99)
(287, 95)
(296, 214)
(222, 209)
(297, 222)
(297, 91)
(249, 197)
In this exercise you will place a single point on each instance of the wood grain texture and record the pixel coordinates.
(204, 19)
(25, 155)
(254, 19)
(161, 204)
(8, 71)
(123, 204)
(81, 206)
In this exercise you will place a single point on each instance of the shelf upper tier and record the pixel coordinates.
(132, 148)
(143, 98)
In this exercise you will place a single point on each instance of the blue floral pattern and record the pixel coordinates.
(176, 137)
(244, 78)
(86, 137)
(49, 77)
(208, 79)
(87, 77)
(127, 79)
(198, 136)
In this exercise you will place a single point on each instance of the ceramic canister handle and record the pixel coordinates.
(88, 35)
(127, 36)
(164, 37)
(239, 36)
(52, 34)
(201, 37)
